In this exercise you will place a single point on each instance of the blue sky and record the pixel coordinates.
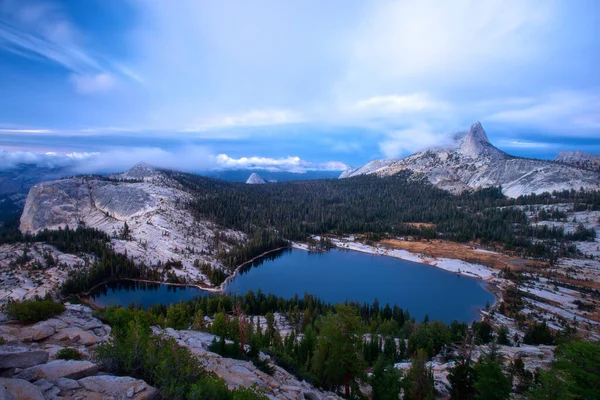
(293, 85)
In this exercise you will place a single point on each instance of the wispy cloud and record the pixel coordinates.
(263, 117)
(93, 83)
(39, 30)
(520, 144)
(401, 104)
(556, 112)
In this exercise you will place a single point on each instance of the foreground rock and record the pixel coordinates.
(76, 327)
(70, 369)
(29, 368)
(119, 387)
(18, 389)
(21, 357)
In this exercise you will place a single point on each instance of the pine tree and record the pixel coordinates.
(338, 359)
(386, 380)
(418, 384)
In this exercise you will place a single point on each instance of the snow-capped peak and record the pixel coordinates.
(255, 179)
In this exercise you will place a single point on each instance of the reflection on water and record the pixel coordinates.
(142, 294)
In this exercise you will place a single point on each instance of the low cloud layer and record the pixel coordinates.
(190, 158)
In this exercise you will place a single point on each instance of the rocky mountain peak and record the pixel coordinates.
(140, 170)
(475, 141)
(477, 133)
(473, 162)
(255, 179)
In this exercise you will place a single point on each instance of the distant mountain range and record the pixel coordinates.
(472, 162)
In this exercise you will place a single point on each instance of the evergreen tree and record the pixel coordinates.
(338, 359)
(462, 379)
(490, 382)
(418, 384)
(386, 380)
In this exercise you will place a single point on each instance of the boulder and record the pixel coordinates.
(36, 332)
(76, 335)
(66, 384)
(59, 369)
(120, 387)
(20, 389)
(43, 384)
(21, 357)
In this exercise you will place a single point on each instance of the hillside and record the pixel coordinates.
(144, 212)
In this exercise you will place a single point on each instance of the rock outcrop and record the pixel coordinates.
(29, 368)
(472, 162)
(237, 373)
(160, 228)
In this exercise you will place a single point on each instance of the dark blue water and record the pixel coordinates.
(126, 293)
(337, 276)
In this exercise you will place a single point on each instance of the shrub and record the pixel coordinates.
(538, 333)
(69, 353)
(483, 331)
(34, 310)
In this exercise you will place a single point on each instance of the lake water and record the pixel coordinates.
(335, 276)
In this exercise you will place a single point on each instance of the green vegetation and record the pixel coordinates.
(330, 346)
(160, 361)
(575, 374)
(379, 207)
(33, 310)
(69, 353)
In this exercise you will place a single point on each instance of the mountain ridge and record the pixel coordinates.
(472, 162)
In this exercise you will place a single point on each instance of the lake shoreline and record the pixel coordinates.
(487, 276)
(468, 270)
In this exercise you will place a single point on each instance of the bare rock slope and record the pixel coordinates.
(142, 209)
(255, 179)
(580, 159)
(473, 162)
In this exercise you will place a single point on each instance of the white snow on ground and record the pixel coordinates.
(562, 312)
(448, 264)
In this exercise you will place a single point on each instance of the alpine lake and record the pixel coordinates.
(335, 276)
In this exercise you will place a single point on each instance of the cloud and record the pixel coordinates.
(93, 83)
(436, 40)
(41, 31)
(409, 140)
(290, 164)
(265, 117)
(26, 131)
(520, 144)
(401, 104)
(188, 158)
(556, 112)
(12, 159)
